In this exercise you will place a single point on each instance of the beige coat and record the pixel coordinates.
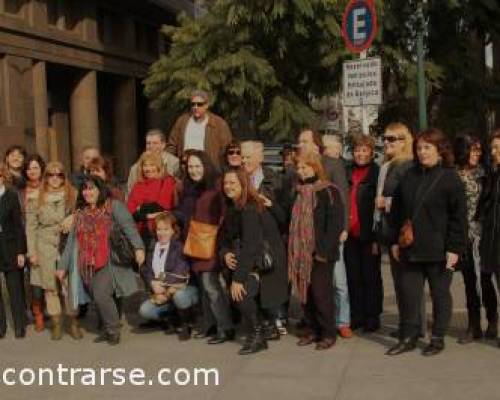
(44, 233)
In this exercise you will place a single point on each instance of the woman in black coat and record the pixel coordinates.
(313, 248)
(432, 197)
(489, 217)
(361, 252)
(246, 229)
(12, 256)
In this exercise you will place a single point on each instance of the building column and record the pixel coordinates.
(124, 125)
(41, 109)
(83, 115)
(16, 102)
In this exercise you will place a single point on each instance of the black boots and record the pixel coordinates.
(184, 330)
(271, 331)
(254, 342)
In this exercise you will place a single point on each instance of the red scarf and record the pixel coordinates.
(92, 232)
(302, 241)
(358, 175)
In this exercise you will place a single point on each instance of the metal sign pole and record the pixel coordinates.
(364, 111)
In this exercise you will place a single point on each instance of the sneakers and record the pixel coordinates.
(345, 331)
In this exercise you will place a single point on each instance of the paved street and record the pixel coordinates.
(354, 369)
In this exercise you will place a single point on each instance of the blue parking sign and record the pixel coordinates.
(359, 25)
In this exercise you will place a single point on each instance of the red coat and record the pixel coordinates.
(161, 191)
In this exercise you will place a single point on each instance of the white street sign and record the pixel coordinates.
(362, 81)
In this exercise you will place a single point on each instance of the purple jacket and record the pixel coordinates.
(175, 263)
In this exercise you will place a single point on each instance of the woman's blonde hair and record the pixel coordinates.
(153, 158)
(403, 132)
(55, 167)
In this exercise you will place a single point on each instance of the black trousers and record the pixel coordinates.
(474, 295)
(248, 307)
(15, 285)
(319, 310)
(364, 280)
(413, 276)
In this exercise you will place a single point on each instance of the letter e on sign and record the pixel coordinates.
(359, 25)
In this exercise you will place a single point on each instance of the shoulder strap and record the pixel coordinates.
(429, 189)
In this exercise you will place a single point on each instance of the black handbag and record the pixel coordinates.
(122, 252)
(267, 260)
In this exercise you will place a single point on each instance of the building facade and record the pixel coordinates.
(71, 72)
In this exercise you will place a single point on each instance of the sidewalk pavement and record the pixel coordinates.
(354, 369)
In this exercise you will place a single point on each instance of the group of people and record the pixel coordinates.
(219, 239)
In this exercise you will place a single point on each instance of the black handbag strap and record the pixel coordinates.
(429, 189)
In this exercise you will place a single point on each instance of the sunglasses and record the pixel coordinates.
(58, 175)
(233, 153)
(198, 103)
(391, 139)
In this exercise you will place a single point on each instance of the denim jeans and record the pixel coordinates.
(215, 303)
(182, 299)
(342, 307)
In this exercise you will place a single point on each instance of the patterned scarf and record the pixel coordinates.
(92, 232)
(302, 241)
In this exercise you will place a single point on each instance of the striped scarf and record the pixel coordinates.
(301, 240)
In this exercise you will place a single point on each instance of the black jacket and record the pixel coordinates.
(396, 172)
(328, 223)
(243, 233)
(489, 216)
(440, 225)
(272, 187)
(365, 200)
(12, 235)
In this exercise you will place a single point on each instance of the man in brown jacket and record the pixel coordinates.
(200, 130)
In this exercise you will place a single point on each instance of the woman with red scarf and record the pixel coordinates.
(313, 248)
(152, 194)
(94, 252)
(361, 253)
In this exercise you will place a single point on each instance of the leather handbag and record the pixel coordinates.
(201, 240)
(268, 259)
(406, 236)
(122, 252)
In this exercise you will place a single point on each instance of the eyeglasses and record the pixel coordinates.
(198, 103)
(233, 153)
(391, 139)
(53, 175)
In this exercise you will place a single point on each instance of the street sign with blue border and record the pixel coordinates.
(359, 25)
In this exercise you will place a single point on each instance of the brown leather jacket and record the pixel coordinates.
(217, 137)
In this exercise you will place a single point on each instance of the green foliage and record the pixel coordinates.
(261, 59)
(264, 60)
